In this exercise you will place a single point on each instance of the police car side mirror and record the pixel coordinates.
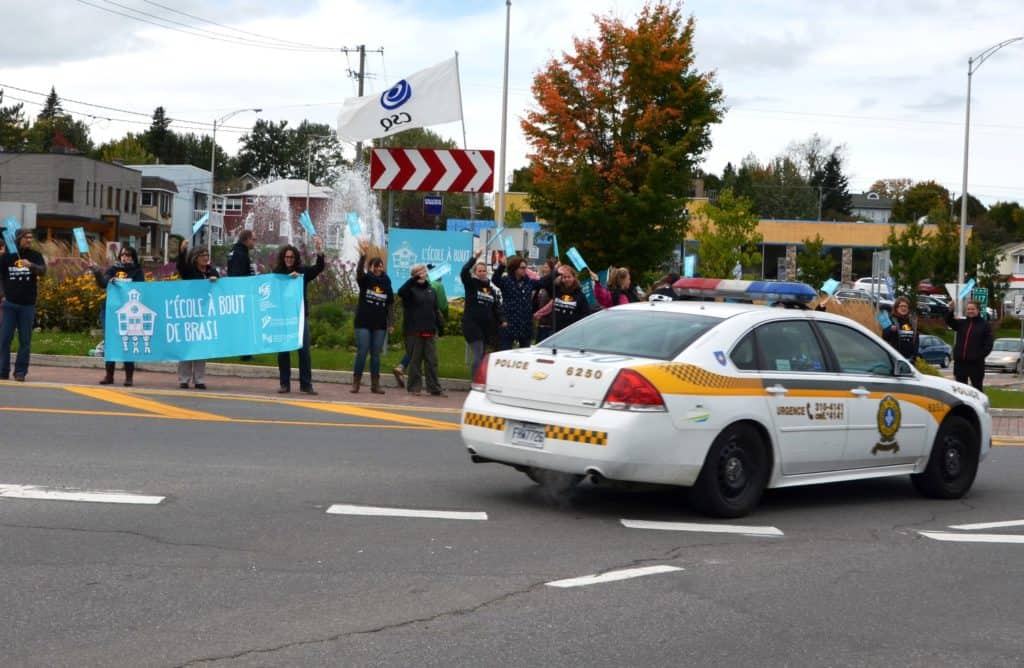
(903, 368)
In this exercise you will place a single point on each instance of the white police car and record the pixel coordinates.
(726, 399)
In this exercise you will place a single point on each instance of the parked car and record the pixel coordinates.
(1006, 356)
(934, 350)
(932, 307)
(875, 286)
(853, 294)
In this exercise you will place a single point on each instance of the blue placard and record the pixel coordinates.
(198, 225)
(408, 247)
(83, 245)
(510, 248)
(587, 287)
(689, 266)
(474, 226)
(307, 223)
(495, 237)
(966, 290)
(437, 273)
(12, 224)
(432, 205)
(12, 246)
(167, 321)
(829, 286)
(576, 259)
(354, 227)
(884, 321)
(554, 240)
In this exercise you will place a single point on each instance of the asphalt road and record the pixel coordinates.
(227, 554)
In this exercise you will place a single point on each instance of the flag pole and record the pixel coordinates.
(465, 144)
(500, 213)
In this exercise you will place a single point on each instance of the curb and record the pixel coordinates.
(227, 369)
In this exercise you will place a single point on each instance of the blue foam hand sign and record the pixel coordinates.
(884, 321)
(9, 240)
(689, 266)
(829, 286)
(554, 240)
(510, 248)
(354, 227)
(83, 245)
(966, 290)
(497, 235)
(437, 273)
(12, 224)
(307, 223)
(198, 225)
(576, 259)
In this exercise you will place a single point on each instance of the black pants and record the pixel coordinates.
(969, 372)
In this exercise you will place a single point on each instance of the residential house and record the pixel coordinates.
(191, 201)
(1011, 268)
(272, 211)
(871, 207)
(156, 215)
(72, 190)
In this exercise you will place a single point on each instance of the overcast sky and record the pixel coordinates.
(886, 79)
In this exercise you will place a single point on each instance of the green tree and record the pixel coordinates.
(52, 108)
(730, 236)
(13, 126)
(522, 180)
(267, 150)
(835, 190)
(910, 256)
(814, 265)
(617, 130)
(1008, 219)
(943, 246)
(130, 150)
(894, 189)
(159, 139)
(919, 200)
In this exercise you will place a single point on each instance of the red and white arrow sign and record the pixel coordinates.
(430, 169)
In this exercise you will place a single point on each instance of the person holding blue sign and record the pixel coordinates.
(973, 344)
(374, 317)
(289, 261)
(21, 268)
(568, 304)
(126, 269)
(421, 324)
(194, 265)
(442, 307)
(901, 333)
(483, 312)
(517, 300)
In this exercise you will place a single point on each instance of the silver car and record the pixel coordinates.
(1006, 356)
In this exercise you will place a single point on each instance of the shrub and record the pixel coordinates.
(330, 326)
(69, 301)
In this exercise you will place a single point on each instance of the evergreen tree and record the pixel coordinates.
(730, 236)
(835, 190)
(52, 108)
(13, 127)
(814, 265)
(159, 138)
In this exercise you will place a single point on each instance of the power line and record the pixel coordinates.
(199, 32)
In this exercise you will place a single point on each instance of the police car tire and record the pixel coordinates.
(953, 462)
(734, 474)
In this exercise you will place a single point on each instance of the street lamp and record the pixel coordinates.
(213, 167)
(972, 66)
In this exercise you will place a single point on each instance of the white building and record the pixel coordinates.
(190, 202)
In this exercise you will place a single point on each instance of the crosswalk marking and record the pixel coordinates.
(133, 401)
(89, 496)
(612, 576)
(383, 511)
(373, 413)
(702, 528)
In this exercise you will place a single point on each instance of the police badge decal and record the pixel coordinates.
(888, 425)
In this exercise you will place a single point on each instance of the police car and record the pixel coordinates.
(727, 399)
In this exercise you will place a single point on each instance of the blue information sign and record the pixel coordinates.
(432, 205)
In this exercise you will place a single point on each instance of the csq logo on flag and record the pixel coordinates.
(396, 96)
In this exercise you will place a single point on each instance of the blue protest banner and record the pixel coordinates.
(966, 290)
(510, 248)
(829, 286)
(408, 247)
(587, 287)
(689, 266)
(198, 225)
(83, 245)
(165, 321)
(576, 259)
(354, 227)
(437, 273)
(307, 223)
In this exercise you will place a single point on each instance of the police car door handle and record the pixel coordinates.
(776, 389)
(860, 392)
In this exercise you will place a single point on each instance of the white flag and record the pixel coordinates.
(428, 97)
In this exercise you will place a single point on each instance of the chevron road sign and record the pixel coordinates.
(435, 170)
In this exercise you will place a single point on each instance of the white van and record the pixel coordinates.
(875, 286)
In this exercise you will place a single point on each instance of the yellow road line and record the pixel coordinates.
(132, 401)
(374, 414)
(154, 416)
(1008, 441)
(278, 400)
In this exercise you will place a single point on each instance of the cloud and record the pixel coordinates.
(938, 102)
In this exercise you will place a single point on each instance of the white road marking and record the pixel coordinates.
(705, 528)
(44, 494)
(988, 525)
(972, 537)
(379, 511)
(612, 576)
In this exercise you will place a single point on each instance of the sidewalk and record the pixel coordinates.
(244, 379)
(335, 385)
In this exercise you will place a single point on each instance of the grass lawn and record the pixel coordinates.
(451, 353)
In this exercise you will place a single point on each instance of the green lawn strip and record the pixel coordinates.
(999, 398)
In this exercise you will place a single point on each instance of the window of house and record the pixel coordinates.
(65, 190)
(135, 202)
(117, 201)
(96, 195)
(110, 197)
(147, 198)
(165, 204)
(232, 204)
(88, 187)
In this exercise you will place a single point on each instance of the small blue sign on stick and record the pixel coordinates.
(437, 273)
(354, 226)
(510, 248)
(307, 223)
(198, 225)
(576, 259)
(829, 286)
(83, 245)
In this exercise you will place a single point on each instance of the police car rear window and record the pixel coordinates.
(658, 335)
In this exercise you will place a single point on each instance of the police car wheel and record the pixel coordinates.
(953, 462)
(734, 475)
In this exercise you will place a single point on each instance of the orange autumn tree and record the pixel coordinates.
(619, 127)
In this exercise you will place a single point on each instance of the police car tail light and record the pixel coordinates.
(632, 392)
(480, 377)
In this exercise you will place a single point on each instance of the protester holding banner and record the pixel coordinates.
(20, 270)
(483, 312)
(126, 269)
(194, 266)
(421, 323)
(568, 303)
(289, 261)
(374, 317)
(517, 301)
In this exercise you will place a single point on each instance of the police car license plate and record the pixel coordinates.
(530, 435)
